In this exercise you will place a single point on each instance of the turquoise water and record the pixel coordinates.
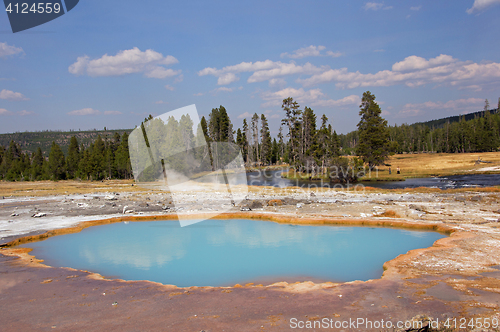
(226, 252)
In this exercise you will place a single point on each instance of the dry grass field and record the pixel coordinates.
(423, 165)
(411, 165)
(437, 164)
(46, 188)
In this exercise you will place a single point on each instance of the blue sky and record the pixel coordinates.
(110, 64)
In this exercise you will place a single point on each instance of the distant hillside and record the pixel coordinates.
(30, 141)
(439, 123)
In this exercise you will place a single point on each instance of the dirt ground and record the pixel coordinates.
(457, 278)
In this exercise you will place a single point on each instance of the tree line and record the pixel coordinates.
(480, 133)
(103, 159)
(304, 142)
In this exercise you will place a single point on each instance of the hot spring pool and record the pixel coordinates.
(227, 252)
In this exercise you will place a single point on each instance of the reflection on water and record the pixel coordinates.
(226, 252)
(273, 178)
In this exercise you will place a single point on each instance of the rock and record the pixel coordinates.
(476, 198)
(275, 202)
(245, 208)
(255, 205)
(460, 199)
(299, 205)
(39, 215)
(110, 198)
(417, 207)
(14, 215)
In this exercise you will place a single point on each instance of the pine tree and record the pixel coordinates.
(254, 128)
(9, 169)
(308, 134)
(97, 159)
(214, 125)
(275, 152)
(266, 142)
(281, 143)
(241, 141)
(57, 164)
(84, 167)
(486, 105)
(122, 158)
(37, 165)
(292, 114)
(335, 145)
(373, 144)
(246, 135)
(73, 157)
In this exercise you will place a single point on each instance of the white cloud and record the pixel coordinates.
(227, 75)
(304, 52)
(334, 54)
(284, 69)
(3, 111)
(227, 79)
(244, 115)
(413, 71)
(223, 89)
(414, 62)
(6, 50)
(409, 112)
(416, 8)
(198, 94)
(310, 51)
(11, 95)
(239, 68)
(179, 78)
(375, 6)
(469, 104)
(131, 61)
(160, 72)
(25, 112)
(112, 113)
(85, 111)
(168, 87)
(274, 116)
(313, 97)
(474, 87)
(277, 82)
(349, 100)
(480, 5)
(262, 71)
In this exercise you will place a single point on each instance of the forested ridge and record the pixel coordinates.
(304, 141)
